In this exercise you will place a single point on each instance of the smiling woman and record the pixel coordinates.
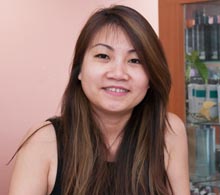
(119, 80)
(114, 135)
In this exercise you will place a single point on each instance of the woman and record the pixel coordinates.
(114, 135)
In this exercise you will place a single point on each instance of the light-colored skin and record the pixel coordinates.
(114, 81)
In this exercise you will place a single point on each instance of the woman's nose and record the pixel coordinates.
(118, 71)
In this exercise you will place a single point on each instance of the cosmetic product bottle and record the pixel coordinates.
(218, 35)
(189, 36)
(208, 21)
(199, 34)
(214, 38)
(205, 153)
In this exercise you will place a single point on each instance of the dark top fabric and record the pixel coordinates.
(57, 187)
(56, 122)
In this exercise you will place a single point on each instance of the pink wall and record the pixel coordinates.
(36, 47)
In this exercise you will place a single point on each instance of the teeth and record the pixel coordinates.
(117, 90)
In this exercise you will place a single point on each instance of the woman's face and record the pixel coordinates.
(112, 76)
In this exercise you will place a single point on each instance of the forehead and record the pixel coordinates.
(111, 34)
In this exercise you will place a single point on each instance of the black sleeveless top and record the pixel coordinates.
(57, 186)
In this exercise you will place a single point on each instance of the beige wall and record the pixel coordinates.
(36, 47)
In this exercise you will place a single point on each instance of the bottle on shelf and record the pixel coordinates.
(218, 35)
(212, 38)
(189, 36)
(200, 34)
(205, 151)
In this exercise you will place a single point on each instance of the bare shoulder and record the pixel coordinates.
(176, 155)
(175, 135)
(40, 132)
(38, 140)
(176, 125)
(34, 161)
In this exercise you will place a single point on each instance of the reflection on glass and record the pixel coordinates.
(202, 78)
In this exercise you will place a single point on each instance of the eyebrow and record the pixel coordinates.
(110, 48)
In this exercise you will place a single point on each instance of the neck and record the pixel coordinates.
(112, 126)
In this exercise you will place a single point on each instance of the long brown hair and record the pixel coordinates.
(139, 167)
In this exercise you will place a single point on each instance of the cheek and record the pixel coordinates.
(84, 72)
(89, 75)
(142, 81)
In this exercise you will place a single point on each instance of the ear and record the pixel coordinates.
(80, 76)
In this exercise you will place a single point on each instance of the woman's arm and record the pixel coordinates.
(176, 156)
(33, 162)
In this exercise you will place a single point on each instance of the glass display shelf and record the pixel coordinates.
(204, 156)
(202, 97)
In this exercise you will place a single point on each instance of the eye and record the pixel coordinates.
(135, 61)
(102, 56)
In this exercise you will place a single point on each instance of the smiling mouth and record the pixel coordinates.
(116, 90)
